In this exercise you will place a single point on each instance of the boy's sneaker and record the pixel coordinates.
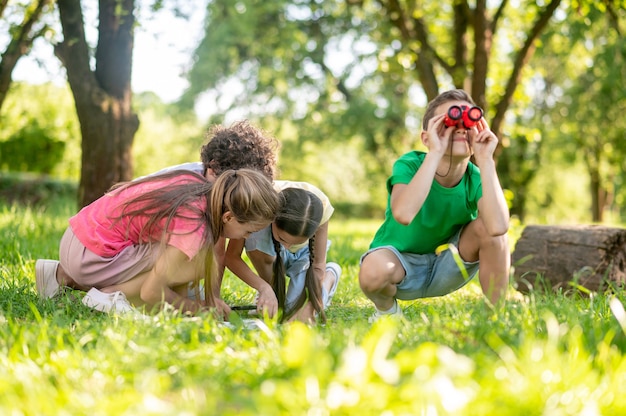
(46, 278)
(336, 270)
(394, 312)
(107, 302)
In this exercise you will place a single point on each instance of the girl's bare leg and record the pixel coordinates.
(64, 279)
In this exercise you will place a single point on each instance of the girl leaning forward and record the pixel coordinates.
(146, 240)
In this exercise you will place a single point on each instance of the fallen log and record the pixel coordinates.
(569, 257)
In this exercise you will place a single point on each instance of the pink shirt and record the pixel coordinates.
(95, 225)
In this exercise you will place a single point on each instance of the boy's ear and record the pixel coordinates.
(210, 175)
(424, 137)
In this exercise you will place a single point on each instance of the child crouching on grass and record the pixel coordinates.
(445, 216)
(146, 240)
(294, 245)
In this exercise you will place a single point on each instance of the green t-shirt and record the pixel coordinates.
(444, 212)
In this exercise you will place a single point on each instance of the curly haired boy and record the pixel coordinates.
(236, 147)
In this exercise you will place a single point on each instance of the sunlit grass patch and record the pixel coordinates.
(541, 353)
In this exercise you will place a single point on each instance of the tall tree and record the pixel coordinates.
(102, 95)
(590, 111)
(22, 35)
(467, 63)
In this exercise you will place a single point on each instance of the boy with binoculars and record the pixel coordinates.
(446, 218)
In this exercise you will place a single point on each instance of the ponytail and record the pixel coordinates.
(247, 194)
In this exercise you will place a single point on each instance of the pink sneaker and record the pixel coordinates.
(46, 277)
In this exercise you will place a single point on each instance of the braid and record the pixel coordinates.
(312, 289)
(278, 276)
(313, 285)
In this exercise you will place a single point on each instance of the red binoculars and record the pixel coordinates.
(463, 115)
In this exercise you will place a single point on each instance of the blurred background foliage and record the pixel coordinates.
(336, 84)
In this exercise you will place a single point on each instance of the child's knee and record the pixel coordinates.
(372, 276)
(486, 238)
(370, 282)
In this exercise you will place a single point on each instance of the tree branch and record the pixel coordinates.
(425, 56)
(524, 54)
(3, 6)
(498, 15)
(20, 43)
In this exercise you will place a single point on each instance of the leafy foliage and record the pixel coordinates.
(31, 149)
(330, 75)
(577, 113)
(39, 131)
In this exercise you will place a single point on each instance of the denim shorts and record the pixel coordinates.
(431, 275)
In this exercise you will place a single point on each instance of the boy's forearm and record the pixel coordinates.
(493, 207)
(406, 203)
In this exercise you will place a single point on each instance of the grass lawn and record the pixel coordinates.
(543, 354)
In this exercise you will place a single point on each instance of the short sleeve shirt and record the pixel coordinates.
(443, 213)
(97, 227)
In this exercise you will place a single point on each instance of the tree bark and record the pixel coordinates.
(570, 257)
(102, 97)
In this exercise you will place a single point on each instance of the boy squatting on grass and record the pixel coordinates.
(146, 240)
(438, 198)
(295, 244)
(239, 146)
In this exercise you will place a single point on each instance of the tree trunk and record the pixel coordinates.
(570, 257)
(103, 96)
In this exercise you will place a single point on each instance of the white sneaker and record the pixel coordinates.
(397, 313)
(336, 270)
(107, 302)
(46, 278)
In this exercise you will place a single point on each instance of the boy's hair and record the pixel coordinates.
(299, 216)
(240, 146)
(451, 95)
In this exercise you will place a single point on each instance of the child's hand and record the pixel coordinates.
(484, 141)
(438, 135)
(222, 309)
(267, 302)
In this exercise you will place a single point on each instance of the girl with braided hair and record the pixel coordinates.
(294, 245)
